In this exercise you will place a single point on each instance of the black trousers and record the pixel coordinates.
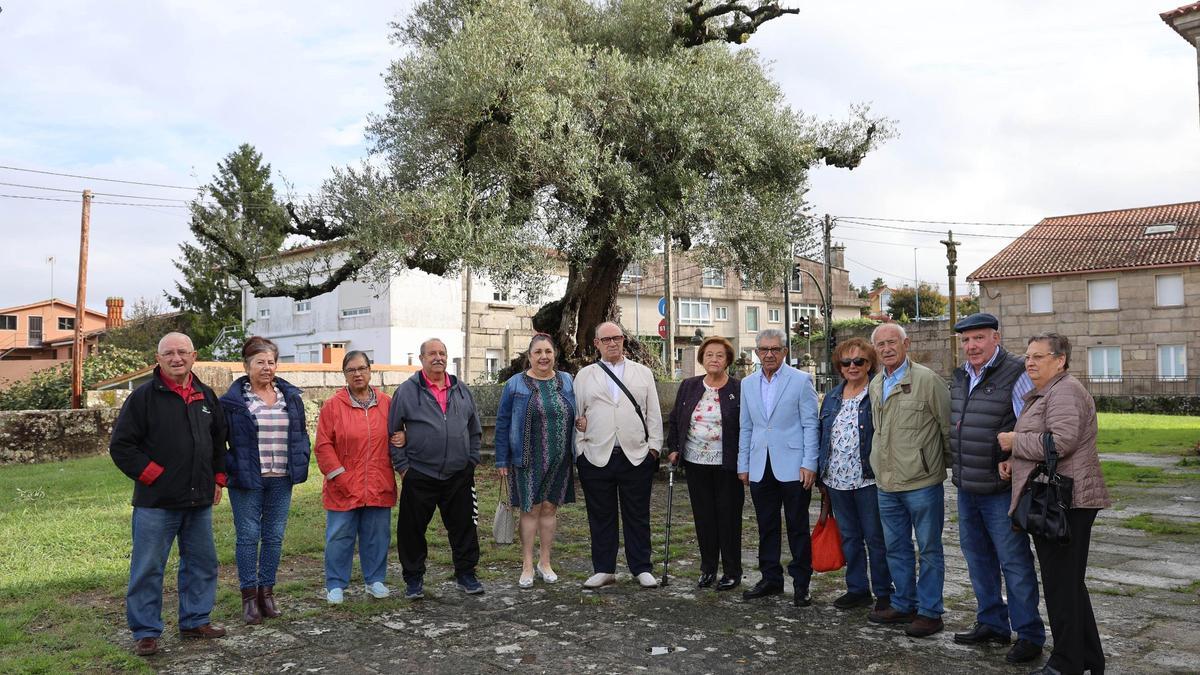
(770, 495)
(621, 485)
(455, 498)
(1072, 623)
(717, 497)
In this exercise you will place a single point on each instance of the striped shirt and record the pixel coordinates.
(272, 421)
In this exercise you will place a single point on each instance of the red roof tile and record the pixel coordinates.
(1172, 18)
(1106, 240)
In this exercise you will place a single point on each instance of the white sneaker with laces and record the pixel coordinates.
(333, 596)
(600, 579)
(378, 590)
(647, 580)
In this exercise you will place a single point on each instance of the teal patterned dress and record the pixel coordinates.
(546, 442)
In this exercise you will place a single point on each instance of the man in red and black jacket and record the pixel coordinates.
(170, 439)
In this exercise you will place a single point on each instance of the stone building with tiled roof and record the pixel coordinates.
(1123, 285)
(1185, 20)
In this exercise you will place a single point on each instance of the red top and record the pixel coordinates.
(356, 441)
(442, 395)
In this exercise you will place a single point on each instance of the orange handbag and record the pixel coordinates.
(827, 541)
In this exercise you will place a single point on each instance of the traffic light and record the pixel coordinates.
(804, 327)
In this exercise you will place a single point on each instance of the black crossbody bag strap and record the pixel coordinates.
(638, 408)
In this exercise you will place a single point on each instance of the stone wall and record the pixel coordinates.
(930, 344)
(30, 436)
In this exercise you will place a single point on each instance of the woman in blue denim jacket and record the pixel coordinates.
(844, 468)
(535, 438)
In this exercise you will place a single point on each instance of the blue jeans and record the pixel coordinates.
(372, 526)
(260, 516)
(857, 514)
(154, 530)
(990, 546)
(921, 512)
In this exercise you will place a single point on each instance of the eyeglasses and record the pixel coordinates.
(769, 350)
(1039, 357)
(611, 339)
(858, 362)
(177, 352)
(356, 371)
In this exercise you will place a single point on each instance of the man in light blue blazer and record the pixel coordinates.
(777, 458)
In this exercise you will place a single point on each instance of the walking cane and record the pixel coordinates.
(670, 502)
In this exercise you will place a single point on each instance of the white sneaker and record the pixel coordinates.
(378, 590)
(600, 580)
(333, 596)
(547, 576)
(647, 580)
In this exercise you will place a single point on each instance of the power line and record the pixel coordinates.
(1028, 236)
(104, 194)
(106, 180)
(937, 222)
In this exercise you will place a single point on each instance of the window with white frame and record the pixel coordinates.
(8, 321)
(264, 313)
(308, 353)
(1102, 294)
(885, 301)
(752, 319)
(695, 312)
(714, 277)
(803, 310)
(501, 296)
(303, 306)
(1104, 363)
(721, 313)
(1172, 362)
(491, 361)
(355, 311)
(1168, 290)
(1041, 298)
(774, 315)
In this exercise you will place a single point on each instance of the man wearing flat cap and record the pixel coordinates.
(986, 396)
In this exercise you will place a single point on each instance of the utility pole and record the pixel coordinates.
(669, 340)
(916, 288)
(952, 269)
(85, 222)
(787, 303)
(466, 359)
(828, 309)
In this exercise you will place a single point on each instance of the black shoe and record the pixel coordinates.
(706, 580)
(801, 599)
(883, 603)
(762, 589)
(728, 583)
(1023, 651)
(852, 600)
(981, 633)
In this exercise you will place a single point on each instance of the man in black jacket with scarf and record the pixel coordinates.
(170, 439)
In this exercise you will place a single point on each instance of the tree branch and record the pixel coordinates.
(694, 29)
(849, 158)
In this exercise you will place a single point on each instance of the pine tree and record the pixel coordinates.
(238, 204)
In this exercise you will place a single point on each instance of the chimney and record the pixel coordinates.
(116, 313)
(837, 256)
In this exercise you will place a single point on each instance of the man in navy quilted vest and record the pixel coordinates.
(986, 397)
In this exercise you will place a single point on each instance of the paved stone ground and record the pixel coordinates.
(1144, 589)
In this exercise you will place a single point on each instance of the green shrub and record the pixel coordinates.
(51, 388)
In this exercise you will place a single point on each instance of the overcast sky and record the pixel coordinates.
(1007, 113)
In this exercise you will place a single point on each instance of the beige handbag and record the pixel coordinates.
(504, 527)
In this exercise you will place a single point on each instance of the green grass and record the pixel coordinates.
(1125, 473)
(1148, 434)
(1162, 526)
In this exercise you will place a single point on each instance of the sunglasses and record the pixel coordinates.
(856, 362)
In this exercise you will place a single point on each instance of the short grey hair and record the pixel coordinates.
(770, 334)
(175, 334)
(433, 339)
(894, 326)
(1058, 343)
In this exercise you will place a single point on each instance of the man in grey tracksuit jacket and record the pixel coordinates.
(436, 464)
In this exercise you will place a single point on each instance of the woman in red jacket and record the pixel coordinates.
(360, 487)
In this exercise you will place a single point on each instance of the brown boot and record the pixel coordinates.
(266, 602)
(250, 606)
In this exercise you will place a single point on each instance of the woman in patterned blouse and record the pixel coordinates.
(535, 436)
(844, 469)
(268, 454)
(704, 430)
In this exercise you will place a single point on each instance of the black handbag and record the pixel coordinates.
(1042, 508)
